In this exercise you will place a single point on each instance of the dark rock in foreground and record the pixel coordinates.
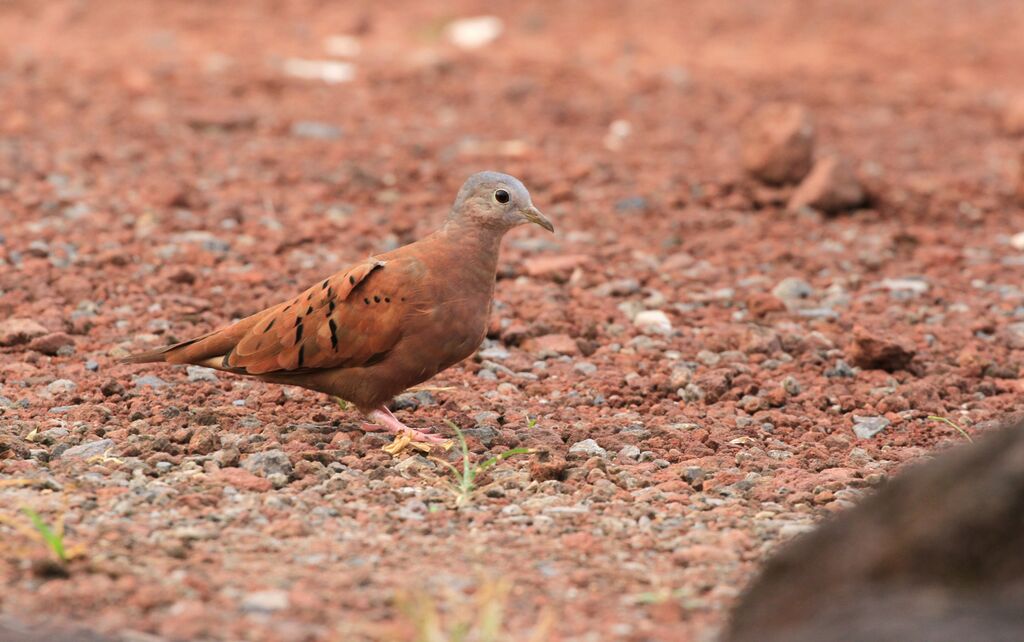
(936, 555)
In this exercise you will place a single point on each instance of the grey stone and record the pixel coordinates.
(631, 204)
(618, 287)
(629, 452)
(793, 289)
(265, 601)
(905, 288)
(494, 353)
(842, 369)
(199, 373)
(88, 450)
(316, 130)
(868, 427)
(585, 368)
(405, 401)
(694, 475)
(267, 463)
(278, 480)
(487, 418)
(588, 447)
(152, 381)
(791, 386)
(61, 387)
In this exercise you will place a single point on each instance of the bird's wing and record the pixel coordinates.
(348, 320)
(353, 318)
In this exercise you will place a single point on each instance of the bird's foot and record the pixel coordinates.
(383, 418)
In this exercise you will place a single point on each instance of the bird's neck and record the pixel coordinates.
(473, 246)
(485, 240)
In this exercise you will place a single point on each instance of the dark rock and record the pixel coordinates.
(111, 387)
(935, 555)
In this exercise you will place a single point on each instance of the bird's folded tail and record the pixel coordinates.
(198, 349)
(162, 354)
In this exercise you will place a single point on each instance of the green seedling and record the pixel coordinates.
(465, 480)
(531, 421)
(954, 424)
(50, 536)
(53, 539)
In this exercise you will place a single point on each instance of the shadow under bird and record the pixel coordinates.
(383, 325)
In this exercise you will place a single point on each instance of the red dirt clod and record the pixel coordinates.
(548, 344)
(50, 344)
(831, 187)
(874, 350)
(17, 330)
(778, 143)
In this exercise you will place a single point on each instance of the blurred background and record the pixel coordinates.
(788, 233)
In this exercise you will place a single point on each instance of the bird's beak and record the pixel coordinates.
(533, 215)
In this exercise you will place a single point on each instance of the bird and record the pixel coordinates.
(385, 324)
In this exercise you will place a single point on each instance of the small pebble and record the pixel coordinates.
(868, 427)
(588, 447)
(199, 373)
(629, 452)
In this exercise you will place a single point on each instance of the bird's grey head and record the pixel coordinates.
(497, 201)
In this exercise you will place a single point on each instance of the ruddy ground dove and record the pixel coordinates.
(385, 324)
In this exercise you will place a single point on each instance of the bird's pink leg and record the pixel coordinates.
(383, 417)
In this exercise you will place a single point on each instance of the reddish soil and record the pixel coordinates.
(162, 174)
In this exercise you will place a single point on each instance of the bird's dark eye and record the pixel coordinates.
(501, 196)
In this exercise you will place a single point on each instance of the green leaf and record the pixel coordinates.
(53, 540)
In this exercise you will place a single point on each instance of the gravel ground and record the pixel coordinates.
(715, 351)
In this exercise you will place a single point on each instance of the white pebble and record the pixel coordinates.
(653, 321)
(342, 46)
(474, 33)
(329, 71)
